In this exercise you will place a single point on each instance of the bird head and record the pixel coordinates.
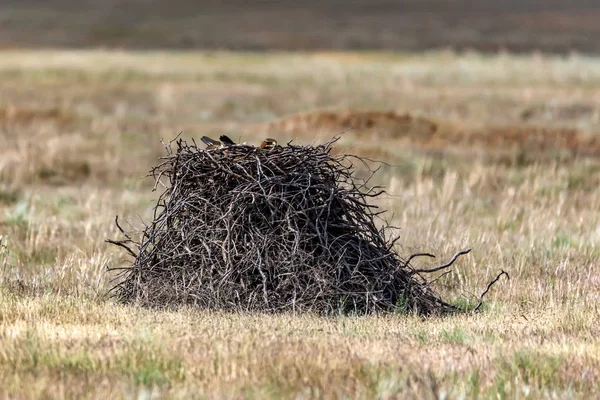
(268, 144)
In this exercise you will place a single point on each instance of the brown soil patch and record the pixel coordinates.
(19, 115)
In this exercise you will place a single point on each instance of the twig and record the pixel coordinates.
(489, 287)
(443, 266)
(121, 243)
(415, 256)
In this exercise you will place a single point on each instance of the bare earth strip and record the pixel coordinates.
(408, 25)
(495, 153)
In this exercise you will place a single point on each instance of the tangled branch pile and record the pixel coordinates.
(287, 229)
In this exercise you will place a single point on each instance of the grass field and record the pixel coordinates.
(497, 153)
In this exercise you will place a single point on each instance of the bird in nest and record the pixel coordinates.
(225, 141)
(268, 144)
(212, 144)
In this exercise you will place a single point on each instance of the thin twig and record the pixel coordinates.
(121, 243)
(489, 287)
(412, 256)
(443, 266)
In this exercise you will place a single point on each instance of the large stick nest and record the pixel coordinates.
(286, 229)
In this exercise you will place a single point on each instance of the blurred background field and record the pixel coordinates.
(495, 151)
(526, 25)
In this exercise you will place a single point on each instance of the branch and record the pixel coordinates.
(489, 286)
(443, 266)
(415, 256)
(121, 243)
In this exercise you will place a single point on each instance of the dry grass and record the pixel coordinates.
(78, 129)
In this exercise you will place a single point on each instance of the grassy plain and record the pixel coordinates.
(509, 166)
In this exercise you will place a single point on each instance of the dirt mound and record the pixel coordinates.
(282, 229)
(19, 115)
(361, 123)
(379, 129)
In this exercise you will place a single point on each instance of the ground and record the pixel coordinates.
(497, 153)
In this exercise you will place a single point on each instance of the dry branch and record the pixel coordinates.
(440, 267)
(487, 289)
